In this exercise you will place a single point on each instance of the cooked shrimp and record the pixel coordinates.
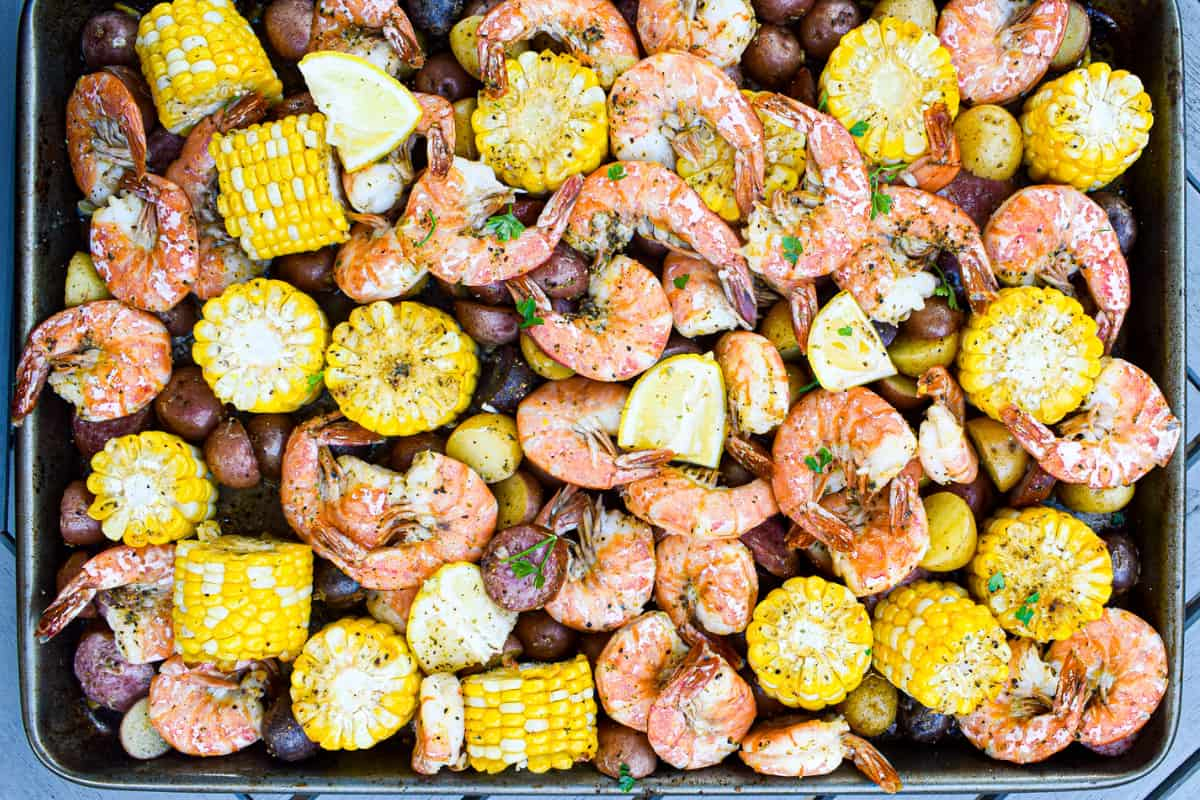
(1036, 714)
(1123, 429)
(689, 502)
(650, 199)
(755, 382)
(797, 748)
(440, 725)
(942, 161)
(149, 568)
(202, 711)
(1049, 233)
(374, 263)
(667, 94)
(635, 664)
(106, 135)
(702, 713)
(392, 605)
(567, 427)
(945, 451)
(706, 583)
(716, 30)
(140, 618)
(619, 331)
(377, 30)
(610, 572)
(106, 358)
(1001, 48)
(1126, 664)
(698, 302)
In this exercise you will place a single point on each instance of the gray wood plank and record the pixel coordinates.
(1189, 12)
(1192, 222)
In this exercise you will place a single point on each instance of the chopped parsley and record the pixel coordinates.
(808, 387)
(432, 227)
(859, 128)
(681, 281)
(616, 172)
(522, 567)
(820, 461)
(880, 202)
(996, 582)
(528, 309)
(1025, 612)
(504, 226)
(315, 379)
(626, 781)
(845, 330)
(823, 101)
(944, 289)
(792, 248)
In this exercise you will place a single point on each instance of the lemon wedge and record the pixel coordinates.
(678, 405)
(844, 349)
(370, 112)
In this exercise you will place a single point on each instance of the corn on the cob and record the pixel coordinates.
(238, 598)
(197, 55)
(401, 369)
(1034, 348)
(1042, 572)
(534, 716)
(552, 122)
(354, 684)
(1086, 127)
(944, 650)
(151, 488)
(809, 643)
(261, 345)
(275, 194)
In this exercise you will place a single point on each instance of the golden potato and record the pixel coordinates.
(913, 356)
(84, 283)
(1001, 455)
(1075, 40)
(920, 12)
(990, 140)
(800, 382)
(870, 709)
(464, 134)
(1087, 500)
(488, 444)
(463, 44)
(520, 499)
(776, 326)
(541, 363)
(952, 532)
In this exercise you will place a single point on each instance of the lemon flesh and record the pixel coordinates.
(844, 349)
(678, 405)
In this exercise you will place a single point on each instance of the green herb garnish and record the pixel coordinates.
(616, 172)
(522, 567)
(808, 387)
(996, 582)
(845, 330)
(880, 202)
(944, 289)
(823, 101)
(432, 227)
(528, 309)
(792, 248)
(859, 128)
(626, 781)
(315, 379)
(681, 281)
(820, 461)
(504, 227)
(1025, 612)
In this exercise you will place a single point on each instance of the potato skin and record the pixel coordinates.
(1120, 216)
(544, 638)
(520, 592)
(283, 735)
(505, 381)
(230, 455)
(268, 436)
(181, 318)
(901, 392)
(288, 25)
(564, 275)
(773, 56)
(870, 709)
(768, 546)
(486, 324)
(952, 532)
(980, 494)
(619, 746)
(935, 320)
(519, 497)
(1126, 562)
(443, 75)
(90, 437)
(913, 356)
(1000, 454)
(488, 444)
(76, 527)
(187, 406)
(1075, 39)
(308, 272)
(977, 196)
(1087, 500)
(106, 677)
(108, 39)
(825, 24)
(335, 588)
(991, 142)
(406, 448)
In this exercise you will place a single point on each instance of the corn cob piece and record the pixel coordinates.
(151, 488)
(275, 193)
(533, 716)
(196, 56)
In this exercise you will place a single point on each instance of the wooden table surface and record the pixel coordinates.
(22, 776)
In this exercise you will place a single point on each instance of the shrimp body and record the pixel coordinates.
(942, 161)
(1123, 429)
(145, 244)
(1048, 233)
(716, 30)
(755, 381)
(592, 30)
(620, 330)
(139, 615)
(945, 451)
(635, 665)
(796, 748)
(1126, 664)
(688, 503)
(440, 725)
(377, 30)
(106, 135)
(698, 306)
(702, 713)
(1001, 48)
(567, 427)
(201, 711)
(106, 358)
(709, 583)
(374, 263)
(650, 199)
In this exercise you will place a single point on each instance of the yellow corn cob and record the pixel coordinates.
(534, 716)
(197, 55)
(261, 345)
(934, 643)
(274, 181)
(552, 122)
(809, 643)
(238, 598)
(151, 488)
(354, 684)
(1087, 127)
(1042, 572)
(1034, 348)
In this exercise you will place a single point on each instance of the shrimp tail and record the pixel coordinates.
(978, 280)
(32, 372)
(739, 290)
(751, 456)
(67, 606)
(565, 510)
(903, 501)
(398, 31)
(824, 526)
(1108, 325)
(1035, 437)
(797, 538)
(492, 67)
(337, 432)
(803, 305)
(696, 637)
(872, 763)
(641, 463)
(747, 182)
(440, 153)
(557, 213)
(941, 164)
(523, 288)
(1073, 691)
(938, 384)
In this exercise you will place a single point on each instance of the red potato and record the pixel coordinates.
(308, 272)
(767, 544)
(106, 677)
(406, 447)
(565, 274)
(230, 455)
(543, 637)
(187, 406)
(77, 528)
(268, 436)
(623, 751)
(979, 197)
(90, 437)
(181, 318)
(288, 26)
(488, 325)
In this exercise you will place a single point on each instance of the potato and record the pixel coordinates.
(288, 26)
(803, 87)
(541, 363)
(619, 747)
(767, 543)
(1001, 455)
(187, 406)
(335, 588)
(870, 709)
(977, 196)
(283, 735)
(488, 325)
(230, 455)
(1126, 561)
(1075, 40)
(1121, 216)
(464, 134)
(84, 283)
(924, 725)
(990, 140)
(592, 645)
(520, 499)
(463, 44)
(138, 736)
(1086, 500)
(488, 444)
(106, 677)
(108, 39)
(781, 12)
(800, 382)
(268, 436)
(309, 272)
(913, 356)
(505, 381)
(773, 56)
(934, 320)
(435, 17)
(823, 26)
(979, 494)
(162, 147)
(90, 437)
(564, 275)
(406, 447)
(182, 317)
(920, 12)
(544, 638)
(952, 532)
(777, 328)
(901, 392)
(443, 76)
(77, 528)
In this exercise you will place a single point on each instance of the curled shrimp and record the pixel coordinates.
(710, 584)
(702, 713)
(106, 135)
(755, 382)
(650, 199)
(374, 263)
(687, 501)
(106, 358)
(942, 161)
(567, 427)
(392, 605)
(149, 572)
(798, 748)
(202, 711)
(1126, 664)
(635, 664)
(592, 30)
(610, 572)
(377, 30)
(1123, 429)
(665, 96)
(1047, 234)
(942, 445)
(1001, 48)
(440, 725)
(619, 331)
(698, 303)
(716, 30)
(1037, 712)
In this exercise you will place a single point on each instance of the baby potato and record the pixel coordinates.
(541, 363)
(800, 382)
(83, 282)
(1086, 500)
(952, 533)
(990, 140)
(464, 134)
(901, 392)
(463, 44)
(1001, 455)
(920, 12)
(871, 708)
(488, 444)
(913, 356)
(1075, 40)
(520, 499)
(777, 328)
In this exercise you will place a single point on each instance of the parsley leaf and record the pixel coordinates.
(616, 172)
(1025, 612)
(522, 567)
(820, 461)
(808, 387)
(504, 226)
(528, 309)
(859, 128)
(845, 330)
(681, 281)
(823, 101)
(315, 379)
(432, 227)
(996, 582)
(944, 289)
(880, 202)
(792, 248)
(626, 782)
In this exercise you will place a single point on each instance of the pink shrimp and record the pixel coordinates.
(698, 302)
(756, 382)
(716, 30)
(705, 584)
(374, 263)
(635, 665)
(439, 726)
(942, 161)
(106, 135)
(377, 30)
(945, 451)
(202, 711)
(689, 502)
(798, 748)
